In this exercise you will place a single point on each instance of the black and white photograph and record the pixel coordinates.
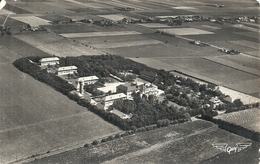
(129, 82)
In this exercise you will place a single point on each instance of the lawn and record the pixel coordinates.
(172, 144)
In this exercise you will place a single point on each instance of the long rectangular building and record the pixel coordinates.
(67, 70)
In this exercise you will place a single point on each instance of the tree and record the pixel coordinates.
(238, 103)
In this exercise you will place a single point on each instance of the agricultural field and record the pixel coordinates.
(185, 31)
(242, 67)
(31, 20)
(247, 118)
(35, 119)
(99, 34)
(209, 69)
(172, 144)
(57, 45)
(70, 28)
(22, 48)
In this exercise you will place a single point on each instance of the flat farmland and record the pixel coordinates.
(166, 145)
(249, 34)
(241, 67)
(250, 87)
(70, 28)
(108, 42)
(31, 20)
(208, 69)
(57, 45)
(247, 118)
(10, 21)
(253, 45)
(22, 48)
(243, 60)
(40, 7)
(34, 118)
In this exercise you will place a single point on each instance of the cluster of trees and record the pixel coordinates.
(146, 110)
(102, 65)
(237, 129)
(59, 84)
(92, 88)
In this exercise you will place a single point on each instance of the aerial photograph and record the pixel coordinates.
(129, 82)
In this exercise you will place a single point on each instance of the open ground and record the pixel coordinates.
(166, 145)
(35, 118)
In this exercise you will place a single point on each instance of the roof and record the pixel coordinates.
(114, 97)
(67, 68)
(49, 59)
(88, 78)
(129, 86)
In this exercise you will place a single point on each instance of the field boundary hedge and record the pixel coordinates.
(236, 129)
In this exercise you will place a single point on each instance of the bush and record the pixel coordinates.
(86, 145)
(117, 136)
(95, 142)
(104, 140)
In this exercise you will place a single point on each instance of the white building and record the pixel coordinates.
(88, 80)
(109, 100)
(149, 89)
(67, 70)
(49, 61)
(85, 81)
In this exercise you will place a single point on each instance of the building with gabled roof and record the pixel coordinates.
(67, 70)
(82, 81)
(128, 89)
(109, 100)
(49, 61)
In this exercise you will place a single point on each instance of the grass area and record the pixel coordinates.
(172, 144)
(247, 118)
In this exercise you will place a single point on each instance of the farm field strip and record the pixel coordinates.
(61, 47)
(241, 26)
(32, 20)
(6, 12)
(87, 4)
(126, 44)
(39, 8)
(248, 87)
(114, 17)
(172, 16)
(96, 34)
(248, 34)
(233, 65)
(243, 60)
(184, 8)
(252, 24)
(211, 27)
(254, 54)
(124, 4)
(154, 25)
(185, 31)
(247, 43)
